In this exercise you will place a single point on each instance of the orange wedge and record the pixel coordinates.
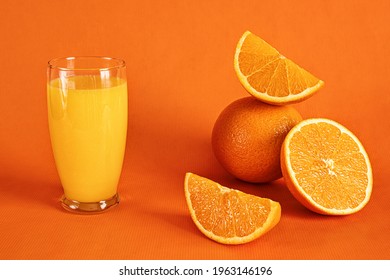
(326, 167)
(268, 75)
(226, 215)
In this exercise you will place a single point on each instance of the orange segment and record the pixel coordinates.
(268, 75)
(226, 215)
(326, 167)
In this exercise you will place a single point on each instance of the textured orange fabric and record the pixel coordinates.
(180, 75)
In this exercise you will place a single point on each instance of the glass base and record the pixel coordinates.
(89, 207)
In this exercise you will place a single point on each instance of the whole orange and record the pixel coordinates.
(247, 138)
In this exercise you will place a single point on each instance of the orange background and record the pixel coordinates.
(180, 73)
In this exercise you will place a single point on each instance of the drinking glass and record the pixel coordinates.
(87, 114)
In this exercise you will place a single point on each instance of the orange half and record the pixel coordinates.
(270, 76)
(326, 167)
(226, 215)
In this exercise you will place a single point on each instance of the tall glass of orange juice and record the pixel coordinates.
(87, 113)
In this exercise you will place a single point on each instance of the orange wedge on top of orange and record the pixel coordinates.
(269, 76)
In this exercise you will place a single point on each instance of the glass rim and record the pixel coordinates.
(54, 63)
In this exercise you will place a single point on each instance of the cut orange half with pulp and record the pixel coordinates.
(226, 215)
(326, 167)
(268, 75)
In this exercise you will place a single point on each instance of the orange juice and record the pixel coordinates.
(88, 126)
